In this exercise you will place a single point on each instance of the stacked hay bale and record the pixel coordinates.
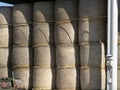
(66, 47)
(5, 19)
(21, 41)
(92, 34)
(43, 40)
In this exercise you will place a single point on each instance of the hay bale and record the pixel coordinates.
(44, 56)
(20, 57)
(22, 15)
(3, 72)
(92, 25)
(4, 56)
(43, 31)
(65, 32)
(66, 79)
(5, 20)
(67, 55)
(92, 78)
(42, 78)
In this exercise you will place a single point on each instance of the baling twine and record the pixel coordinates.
(60, 21)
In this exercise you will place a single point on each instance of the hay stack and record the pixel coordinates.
(65, 38)
(43, 40)
(5, 16)
(21, 40)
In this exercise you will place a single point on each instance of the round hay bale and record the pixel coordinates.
(22, 15)
(67, 55)
(42, 78)
(20, 57)
(66, 79)
(92, 25)
(4, 56)
(24, 75)
(65, 30)
(43, 31)
(3, 72)
(92, 54)
(5, 19)
(44, 56)
(92, 78)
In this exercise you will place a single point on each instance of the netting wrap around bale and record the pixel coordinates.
(65, 30)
